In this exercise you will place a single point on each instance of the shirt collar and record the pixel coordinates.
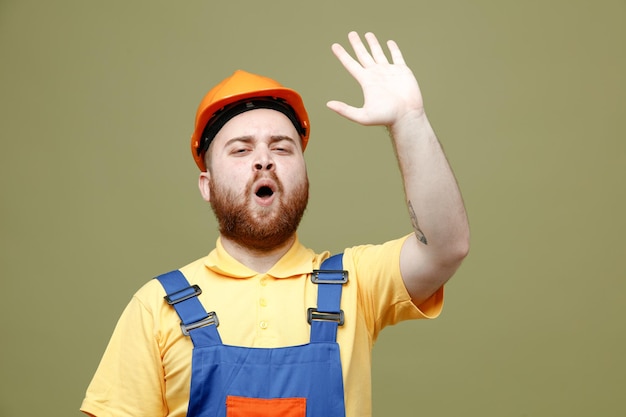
(297, 261)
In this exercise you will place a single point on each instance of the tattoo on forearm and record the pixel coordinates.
(418, 232)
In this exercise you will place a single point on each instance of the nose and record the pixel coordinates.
(263, 161)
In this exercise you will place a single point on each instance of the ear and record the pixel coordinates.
(203, 185)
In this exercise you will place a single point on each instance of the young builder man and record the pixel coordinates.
(279, 340)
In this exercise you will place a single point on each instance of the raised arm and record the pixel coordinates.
(392, 98)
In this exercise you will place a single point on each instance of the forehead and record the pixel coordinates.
(259, 124)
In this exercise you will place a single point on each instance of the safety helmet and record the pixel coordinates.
(240, 92)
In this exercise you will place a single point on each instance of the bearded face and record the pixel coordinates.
(260, 228)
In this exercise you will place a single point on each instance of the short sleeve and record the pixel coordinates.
(129, 379)
(383, 297)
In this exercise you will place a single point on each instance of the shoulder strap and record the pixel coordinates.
(195, 321)
(328, 315)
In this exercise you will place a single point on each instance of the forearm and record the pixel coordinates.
(433, 197)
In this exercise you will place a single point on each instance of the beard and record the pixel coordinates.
(258, 228)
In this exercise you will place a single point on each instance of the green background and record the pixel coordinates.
(97, 101)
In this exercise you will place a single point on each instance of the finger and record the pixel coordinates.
(376, 49)
(396, 54)
(345, 110)
(360, 50)
(349, 63)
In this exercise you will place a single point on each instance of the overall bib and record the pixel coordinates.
(235, 381)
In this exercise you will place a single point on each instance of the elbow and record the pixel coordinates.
(453, 247)
(458, 251)
(463, 249)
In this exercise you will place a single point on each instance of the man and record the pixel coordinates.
(268, 347)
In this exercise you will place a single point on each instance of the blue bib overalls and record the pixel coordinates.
(235, 381)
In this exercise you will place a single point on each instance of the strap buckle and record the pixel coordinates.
(315, 314)
(210, 319)
(182, 295)
(317, 273)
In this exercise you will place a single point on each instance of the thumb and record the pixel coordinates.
(343, 109)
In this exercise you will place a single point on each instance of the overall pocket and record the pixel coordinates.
(262, 407)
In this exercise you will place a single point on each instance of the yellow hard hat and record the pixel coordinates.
(236, 94)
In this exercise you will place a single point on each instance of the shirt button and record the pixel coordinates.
(263, 325)
(263, 302)
(264, 281)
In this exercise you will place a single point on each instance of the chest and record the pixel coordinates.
(261, 311)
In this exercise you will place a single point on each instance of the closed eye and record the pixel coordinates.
(239, 151)
(283, 144)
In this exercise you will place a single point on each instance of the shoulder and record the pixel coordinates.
(150, 294)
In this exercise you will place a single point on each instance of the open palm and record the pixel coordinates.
(390, 90)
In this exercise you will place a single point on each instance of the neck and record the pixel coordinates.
(260, 261)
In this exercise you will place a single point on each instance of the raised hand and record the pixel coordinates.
(390, 90)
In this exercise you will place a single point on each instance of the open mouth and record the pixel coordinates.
(264, 192)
